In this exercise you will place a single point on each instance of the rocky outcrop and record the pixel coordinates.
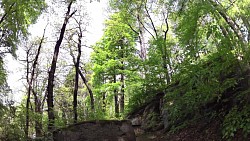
(149, 117)
(103, 130)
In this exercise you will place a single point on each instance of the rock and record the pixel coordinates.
(150, 116)
(103, 130)
(136, 121)
(164, 115)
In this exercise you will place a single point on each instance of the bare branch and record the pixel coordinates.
(151, 20)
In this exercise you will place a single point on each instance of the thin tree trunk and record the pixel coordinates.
(38, 121)
(77, 68)
(122, 80)
(141, 40)
(75, 96)
(103, 102)
(28, 97)
(89, 90)
(229, 21)
(103, 97)
(77, 75)
(38, 124)
(116, 99)
(122, 94)
(50, 86)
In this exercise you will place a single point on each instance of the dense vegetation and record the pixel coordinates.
(195, 52)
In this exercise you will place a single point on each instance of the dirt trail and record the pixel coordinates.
(153, 136)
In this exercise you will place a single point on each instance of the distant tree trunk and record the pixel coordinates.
(122, 94)
(31, 89)
(38, 104)
(28, 96)
(89, 90)
(103, 97)
(76, 92)
(229, 21)
(122, 81)
(116, 99)
(103, 102)
(64, 112)
(77, 75)
(78, 71)
(141, 40)
(38, 121)
(50, 86)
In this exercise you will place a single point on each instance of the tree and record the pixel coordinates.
(152, 21)
(50, 86)
(78, 72)
(30, 78)
(15, 19)
(112, 59)
(16, 16)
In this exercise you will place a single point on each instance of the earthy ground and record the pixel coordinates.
(196, 132)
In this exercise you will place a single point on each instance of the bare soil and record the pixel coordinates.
(200, 131)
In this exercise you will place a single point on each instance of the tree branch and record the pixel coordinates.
(151, 20)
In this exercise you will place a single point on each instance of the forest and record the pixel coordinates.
(189, 57)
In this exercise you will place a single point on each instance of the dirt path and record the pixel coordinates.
(155, 136)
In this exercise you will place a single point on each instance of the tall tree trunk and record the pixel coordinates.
(77, 75)
(103, 102)
(122, 94)
(38, 110)
(78, 71)
(142, 40)
(38, 121)
(231, 22)
(75, 97)
(50, 86)
(28, 96)
(121, 102)
(116, 99)
(103, 97)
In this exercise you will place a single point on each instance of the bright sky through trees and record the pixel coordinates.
(97, 13)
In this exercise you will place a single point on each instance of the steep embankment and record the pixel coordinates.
(208, 100)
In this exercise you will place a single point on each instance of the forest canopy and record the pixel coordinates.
(194, 52)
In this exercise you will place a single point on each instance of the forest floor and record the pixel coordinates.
(200, 131)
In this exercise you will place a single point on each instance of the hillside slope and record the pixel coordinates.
(210, 101)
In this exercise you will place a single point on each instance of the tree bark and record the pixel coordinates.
(122, 96)
(26, 130)
(89, 90)
(142, 40)
(229, 21)
(38, 110)
(50, 86)
(116, 99)
(38, 121)
(103, 102)
(78, 71)
(77, 75)
(122, 80)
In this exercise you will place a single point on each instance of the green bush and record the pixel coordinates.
(198, 83)
(237, 119)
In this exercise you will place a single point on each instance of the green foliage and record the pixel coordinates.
(16, 17)
(199, 83)
(237, 119)
(114, 57)
(196, 63)
(11, 124)
(3, 74)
